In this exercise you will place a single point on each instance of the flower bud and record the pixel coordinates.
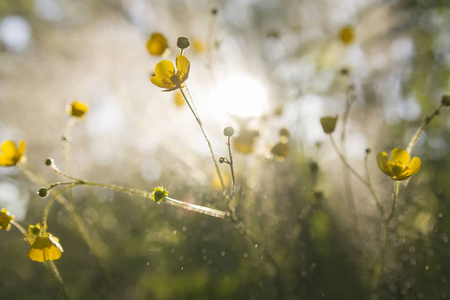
(43, 192)
(48, 162)
(445, 100)
(222, 159)
(183, 42)
(328, 124)
(228, 131)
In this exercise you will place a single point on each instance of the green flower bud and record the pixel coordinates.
(228, 131)
(48, 162)
(183, 42)
(328, 124)
(445, 100)
(43, 192)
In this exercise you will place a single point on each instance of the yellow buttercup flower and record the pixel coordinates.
(45, 248)
(245, 141)
(401, 166)
(159, 193)
(5, 219)
(76, 109)
(347, 35)
(157, 44)
(178, 99)
(11, 155)
(166, 77)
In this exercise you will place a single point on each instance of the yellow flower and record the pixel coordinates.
(280, 150)
(76, 109)
(5, 219)
(401, 166)
(159, 193)
(33, 233)
(178, 99)
(166, 77)
(10, 155)
(199, 46)
(44, 248)
(157, 44)
(245, 141)
(347, 35)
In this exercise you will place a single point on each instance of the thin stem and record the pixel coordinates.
(197, 118)
(58, 277)
(419, 131)
(360, 178)
(50, 202)
(233, 191)
(18, 226)
(185, 205)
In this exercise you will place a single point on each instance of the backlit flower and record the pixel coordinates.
(245, 141)
(44, 248)
(166, 77)
(77, 109)
(5, 219)
(159, 193)
(328, 124)
(157, 44)
(401, 166)
(10, 155)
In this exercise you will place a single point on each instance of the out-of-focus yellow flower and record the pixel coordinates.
(76, 109)
(157, 44)
(45, 248)
(280, 150)
(159, 193)
(10, 155)
(166, 77)
(401, 166)
(328, 124)
(178, 99)
(245, 141)
(347, 35)
(198, 45)
(5, 219)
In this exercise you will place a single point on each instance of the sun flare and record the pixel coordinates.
(243, 96)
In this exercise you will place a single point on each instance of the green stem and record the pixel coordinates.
(50, 202)
(359, 177)
(419, 131)
(58, 278)
(233, 190)
(197, 118)
(18, 226)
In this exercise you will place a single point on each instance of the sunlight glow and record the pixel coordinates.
(243, 96)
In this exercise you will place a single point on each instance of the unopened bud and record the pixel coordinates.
(48, 162)
(228, 131)
(445, 100)
(183, 42)
(328, 124)
(222, 159)
(43, 192)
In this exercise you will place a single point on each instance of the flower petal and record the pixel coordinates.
(22, 146)
(383, 163)
(183, 67)
(158, 81)
(164, 68)
(9, 148)
(414, 166)
(400, 157)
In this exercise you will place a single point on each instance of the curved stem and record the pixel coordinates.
(50, 202)
(197, 118)
(419, 131)
(58, 278)
(367, 183)
(18, 226)
(233, 190)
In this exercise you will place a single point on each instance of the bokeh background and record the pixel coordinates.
(259, 66)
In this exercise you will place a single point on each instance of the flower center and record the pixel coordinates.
(397, 170)
(175, 79)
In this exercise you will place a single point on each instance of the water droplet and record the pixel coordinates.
(184, 228)
(440, 215)
(256, 245)
(148, 263)
(222, 253)
(174, 232)
(182, 268)
(245, 255)
(427, 267)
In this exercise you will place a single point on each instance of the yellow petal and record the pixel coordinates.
(400, 157)
(158, 82)
(157, 44)
(164, 68)
(414, 166)
(5, 161)
(22, 146)
(183, 67)
(384, 163)
(9, 148)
